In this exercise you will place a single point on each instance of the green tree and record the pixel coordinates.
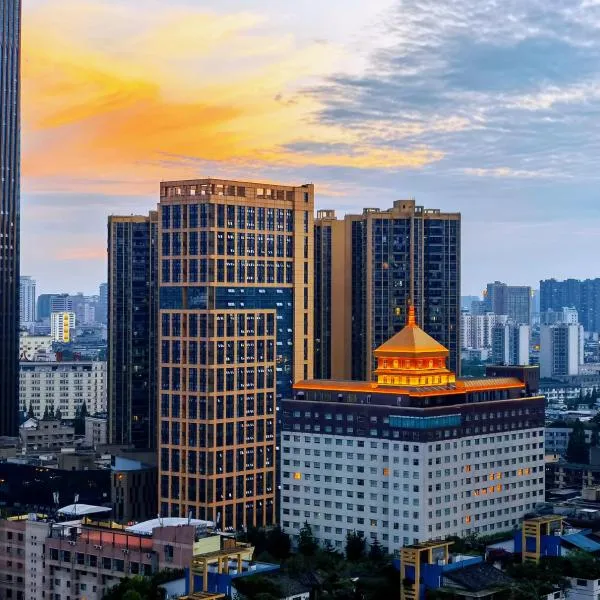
(355, 546)
(46, 416)
(577, 448)
(58, 414)
(376, 552)
(307, 543)
(279, 544)
(30, 413)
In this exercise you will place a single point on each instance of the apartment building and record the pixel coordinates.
(63, 386)
(415, 455)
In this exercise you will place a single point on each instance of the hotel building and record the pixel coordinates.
(367, 266)
(415, 455)
(235, 331)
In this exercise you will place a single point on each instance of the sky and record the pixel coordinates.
(486, 107)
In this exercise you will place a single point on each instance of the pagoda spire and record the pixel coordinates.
(411, 320)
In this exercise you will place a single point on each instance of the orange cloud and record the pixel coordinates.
(109, 90)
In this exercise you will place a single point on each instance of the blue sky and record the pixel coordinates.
(485, 107)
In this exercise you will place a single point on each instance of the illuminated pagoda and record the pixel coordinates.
(415, 454)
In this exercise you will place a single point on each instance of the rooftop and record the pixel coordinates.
(411, 342)
(478, 577)
(147, 527)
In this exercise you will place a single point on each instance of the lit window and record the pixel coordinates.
(386, 471)
(297, 475)
(468, 519)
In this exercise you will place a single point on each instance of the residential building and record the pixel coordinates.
(133, 490)
(26, 299)
(331, 279)
(564, 315)
(35, 347)
(42, 434)
(476, 330)
(10, 163)
(582, 295)
(102, 308)
(378, 260)
(96, 431)
(511, 300)
(557, 438)
(510, 344)
(236, 310)
(132, 329)
(62, 325)
(63, 386)
(561, 349)
(415, 455)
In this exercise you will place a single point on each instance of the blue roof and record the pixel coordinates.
(582, 542)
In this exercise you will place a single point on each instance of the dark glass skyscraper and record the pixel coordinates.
(583, 295)
(366, 273)
(132, 332)
(10, 58)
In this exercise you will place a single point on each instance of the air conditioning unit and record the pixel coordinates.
(149, 555)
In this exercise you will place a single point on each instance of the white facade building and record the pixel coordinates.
(416, 455)
(403, 493)
(62, 325)
(510, 344)
(561, 349)
(62, 385)
(26, 300)
(476, 330)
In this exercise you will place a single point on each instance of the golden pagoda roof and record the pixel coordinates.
(411, 342)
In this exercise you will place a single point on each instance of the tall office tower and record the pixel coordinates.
(399, 455)
(511, 300)
(102, 306)
(565, 315)
(26, 299)
(387, 256)
(561, 349)
(62, 325)
(510, 344)
(10, 159)
(236, 311)
(132, 329)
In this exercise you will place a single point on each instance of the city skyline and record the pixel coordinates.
(460, 109)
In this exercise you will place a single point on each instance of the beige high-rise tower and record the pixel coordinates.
(235, 331)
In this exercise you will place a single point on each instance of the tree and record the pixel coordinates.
(279, 544)
(577, 448)
(355, 546)
(307, 543)
(376, 552)
(46, 416)
(58, 414)
(30, 413)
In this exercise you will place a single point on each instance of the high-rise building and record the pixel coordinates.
(132, 329)
(26, 299)
(561, 349)
(510, 344)
(61, 303)
(584, 296)
(236, 311)
(476, 330)
(10, 159)
(378, 260)
(62, 325)
(102, 307)
(397, 458)
(511, 300)
(565, 315)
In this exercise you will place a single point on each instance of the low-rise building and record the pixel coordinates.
(63, 386)
(42, 435)
(96, 431)
(35, 347)
(557, 438)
